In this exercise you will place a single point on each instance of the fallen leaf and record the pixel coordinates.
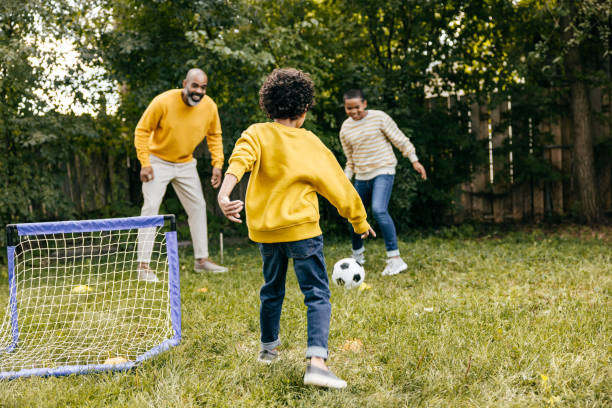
(115, 360)
(81, 289)
(354, 345)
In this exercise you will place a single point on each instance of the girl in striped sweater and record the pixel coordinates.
(367, 137)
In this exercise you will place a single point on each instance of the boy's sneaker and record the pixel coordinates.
(322, 378)
(360, 258)
(394, 266)
(146, 275)
(267, 356)
(208, 266)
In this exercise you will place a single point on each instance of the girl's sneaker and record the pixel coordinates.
(394, 266)
(359, 257)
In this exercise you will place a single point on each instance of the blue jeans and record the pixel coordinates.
(309, 265)
(378, 192)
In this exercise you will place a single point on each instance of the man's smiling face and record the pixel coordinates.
(194, 88)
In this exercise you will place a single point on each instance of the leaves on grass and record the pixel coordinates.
(354, 345)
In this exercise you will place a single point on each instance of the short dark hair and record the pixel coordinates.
(286, 93)
(354, 93)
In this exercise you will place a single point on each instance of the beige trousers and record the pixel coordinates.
(186, 183)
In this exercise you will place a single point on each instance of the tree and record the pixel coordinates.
(579, 24)
(564, 49)
(30, 148)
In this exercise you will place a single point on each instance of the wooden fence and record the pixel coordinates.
(494, 196)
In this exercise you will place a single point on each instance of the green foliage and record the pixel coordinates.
(30, 146)
(400, 52)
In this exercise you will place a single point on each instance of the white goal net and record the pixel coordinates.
(76, 298)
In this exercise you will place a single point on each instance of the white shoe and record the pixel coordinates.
(147, 275)
(322, 378)
(394, 266)
(208, 266)
(360, 257)
(267, 356)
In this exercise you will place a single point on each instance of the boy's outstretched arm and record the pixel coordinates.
(329, 181)
(231, 209)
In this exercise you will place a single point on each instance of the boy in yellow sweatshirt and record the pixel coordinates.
(289, 166)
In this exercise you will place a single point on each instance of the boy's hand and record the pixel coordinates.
(231, 209)
(369, 232)
(420, 169)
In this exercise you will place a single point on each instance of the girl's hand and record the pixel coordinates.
(420, 169)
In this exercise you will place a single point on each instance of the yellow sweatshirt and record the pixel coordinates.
(289, 166)
(171, 130)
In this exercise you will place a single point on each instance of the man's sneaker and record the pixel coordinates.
(267, 356)
(394, 266)
(146, 275)
(360, 258)
(208, 266)
(322, 378)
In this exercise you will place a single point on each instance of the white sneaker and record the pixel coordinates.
(208, 266)
(394, 266)
(360, 258)
(147, 275)
(322, 378)
(267, 356)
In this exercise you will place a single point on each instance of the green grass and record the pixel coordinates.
(515, 319)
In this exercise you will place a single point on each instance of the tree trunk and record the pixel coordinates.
(584, 165)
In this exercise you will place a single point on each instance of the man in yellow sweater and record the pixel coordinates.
(289, 166)
(168, 132)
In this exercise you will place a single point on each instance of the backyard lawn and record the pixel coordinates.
(498, 318)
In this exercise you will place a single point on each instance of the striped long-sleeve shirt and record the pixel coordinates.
(367, 145)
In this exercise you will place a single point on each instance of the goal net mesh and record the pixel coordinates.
(76, 302)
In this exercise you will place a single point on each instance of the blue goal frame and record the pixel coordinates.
(109, 224)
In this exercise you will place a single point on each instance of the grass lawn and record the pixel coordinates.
(510, 319)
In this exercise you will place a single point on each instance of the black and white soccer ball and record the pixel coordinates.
(348, 273)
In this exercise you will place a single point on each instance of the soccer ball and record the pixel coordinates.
(348, 273)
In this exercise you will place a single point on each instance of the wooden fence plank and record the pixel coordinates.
(567, 166)
(480, 207)
(499, 185)
(556, 159)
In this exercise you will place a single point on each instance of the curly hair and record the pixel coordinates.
(286, 93)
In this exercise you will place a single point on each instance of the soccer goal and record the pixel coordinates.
(75, 301)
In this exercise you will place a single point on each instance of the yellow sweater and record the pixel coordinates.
(289, 166)
(171, 130)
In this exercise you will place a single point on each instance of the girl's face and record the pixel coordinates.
(356, 108)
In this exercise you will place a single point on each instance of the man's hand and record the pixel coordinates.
(369, 232)
(146, 174)
(420, 169)
(215, 180)
(231, 209)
